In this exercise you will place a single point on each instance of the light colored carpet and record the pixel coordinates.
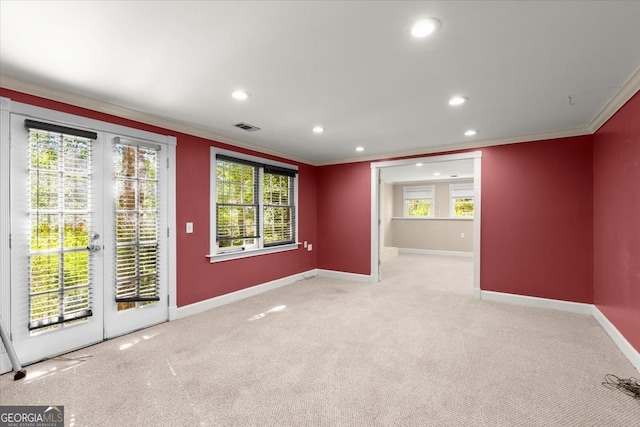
(413, 350)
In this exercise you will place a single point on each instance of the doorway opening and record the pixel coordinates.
(428, 205)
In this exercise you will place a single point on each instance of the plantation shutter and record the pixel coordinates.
(137, 203)
(60, 218)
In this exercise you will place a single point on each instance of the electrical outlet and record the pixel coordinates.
(189, 227)
(304, 244)
(462, 235)
(309, 247)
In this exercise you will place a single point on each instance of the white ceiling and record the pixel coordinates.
(529, 69)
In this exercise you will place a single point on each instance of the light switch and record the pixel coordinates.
(304, 244)
(309, 247)
(189, 227)
(462, 235)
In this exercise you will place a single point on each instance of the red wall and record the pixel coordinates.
(197, 279)
(616, 227)
(537, 219)
(344, 218)
(559, 218)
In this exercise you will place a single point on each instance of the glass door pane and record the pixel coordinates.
(56, 262)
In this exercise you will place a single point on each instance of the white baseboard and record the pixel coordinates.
(202, 306)
(435, 252)
(625, 347)
(365, 278)
(572, 307)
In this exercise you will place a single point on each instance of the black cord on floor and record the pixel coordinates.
(630, 386)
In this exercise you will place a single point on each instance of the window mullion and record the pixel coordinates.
(260, 209)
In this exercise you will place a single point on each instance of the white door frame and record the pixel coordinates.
(375, 207)
(8, 107)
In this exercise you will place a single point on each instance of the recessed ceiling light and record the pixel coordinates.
(418, 164)
(425, 27)
(318, 129)
(436, 174)
(240, 94)
(359, 148)
(458, 100)
(470, 132)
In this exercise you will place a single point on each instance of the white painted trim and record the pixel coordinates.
(625, 347)
(5, 226)
(628, 90)
(172, 275)
(435, 252)
(571, 307)
(477, 220)
(428, 159)
(341, 275)
(375, 224)
(202, 306)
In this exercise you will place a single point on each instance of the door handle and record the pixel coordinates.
(94, 248)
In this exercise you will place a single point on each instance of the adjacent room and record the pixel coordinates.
(320, 213)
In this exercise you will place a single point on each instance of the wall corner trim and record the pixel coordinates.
(626, 92)
(625, 346)
(208, 304)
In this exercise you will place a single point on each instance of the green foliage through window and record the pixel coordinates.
(59, 213)
(463, 207)
(251, 197)
(419, 207)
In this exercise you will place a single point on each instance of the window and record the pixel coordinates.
(253, 205)
(461, 200)
(418, 201)
(60, 216)
(136, 217)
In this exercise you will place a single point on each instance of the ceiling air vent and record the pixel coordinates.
(247, 127)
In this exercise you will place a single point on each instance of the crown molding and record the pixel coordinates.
(439, 149)
(626, 92)
(126, 113)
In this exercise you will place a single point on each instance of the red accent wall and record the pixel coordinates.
(559, 218)
(537, 219)
(616, 227)
(197, 278)
(344, 218)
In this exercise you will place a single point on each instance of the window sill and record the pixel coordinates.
(251, 253)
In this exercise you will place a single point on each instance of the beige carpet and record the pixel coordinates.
(413, 350)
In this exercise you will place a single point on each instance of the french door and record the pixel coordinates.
(87, 210)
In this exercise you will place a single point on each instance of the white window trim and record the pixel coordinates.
(428, 188)
(216, 256)
(467, 190)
